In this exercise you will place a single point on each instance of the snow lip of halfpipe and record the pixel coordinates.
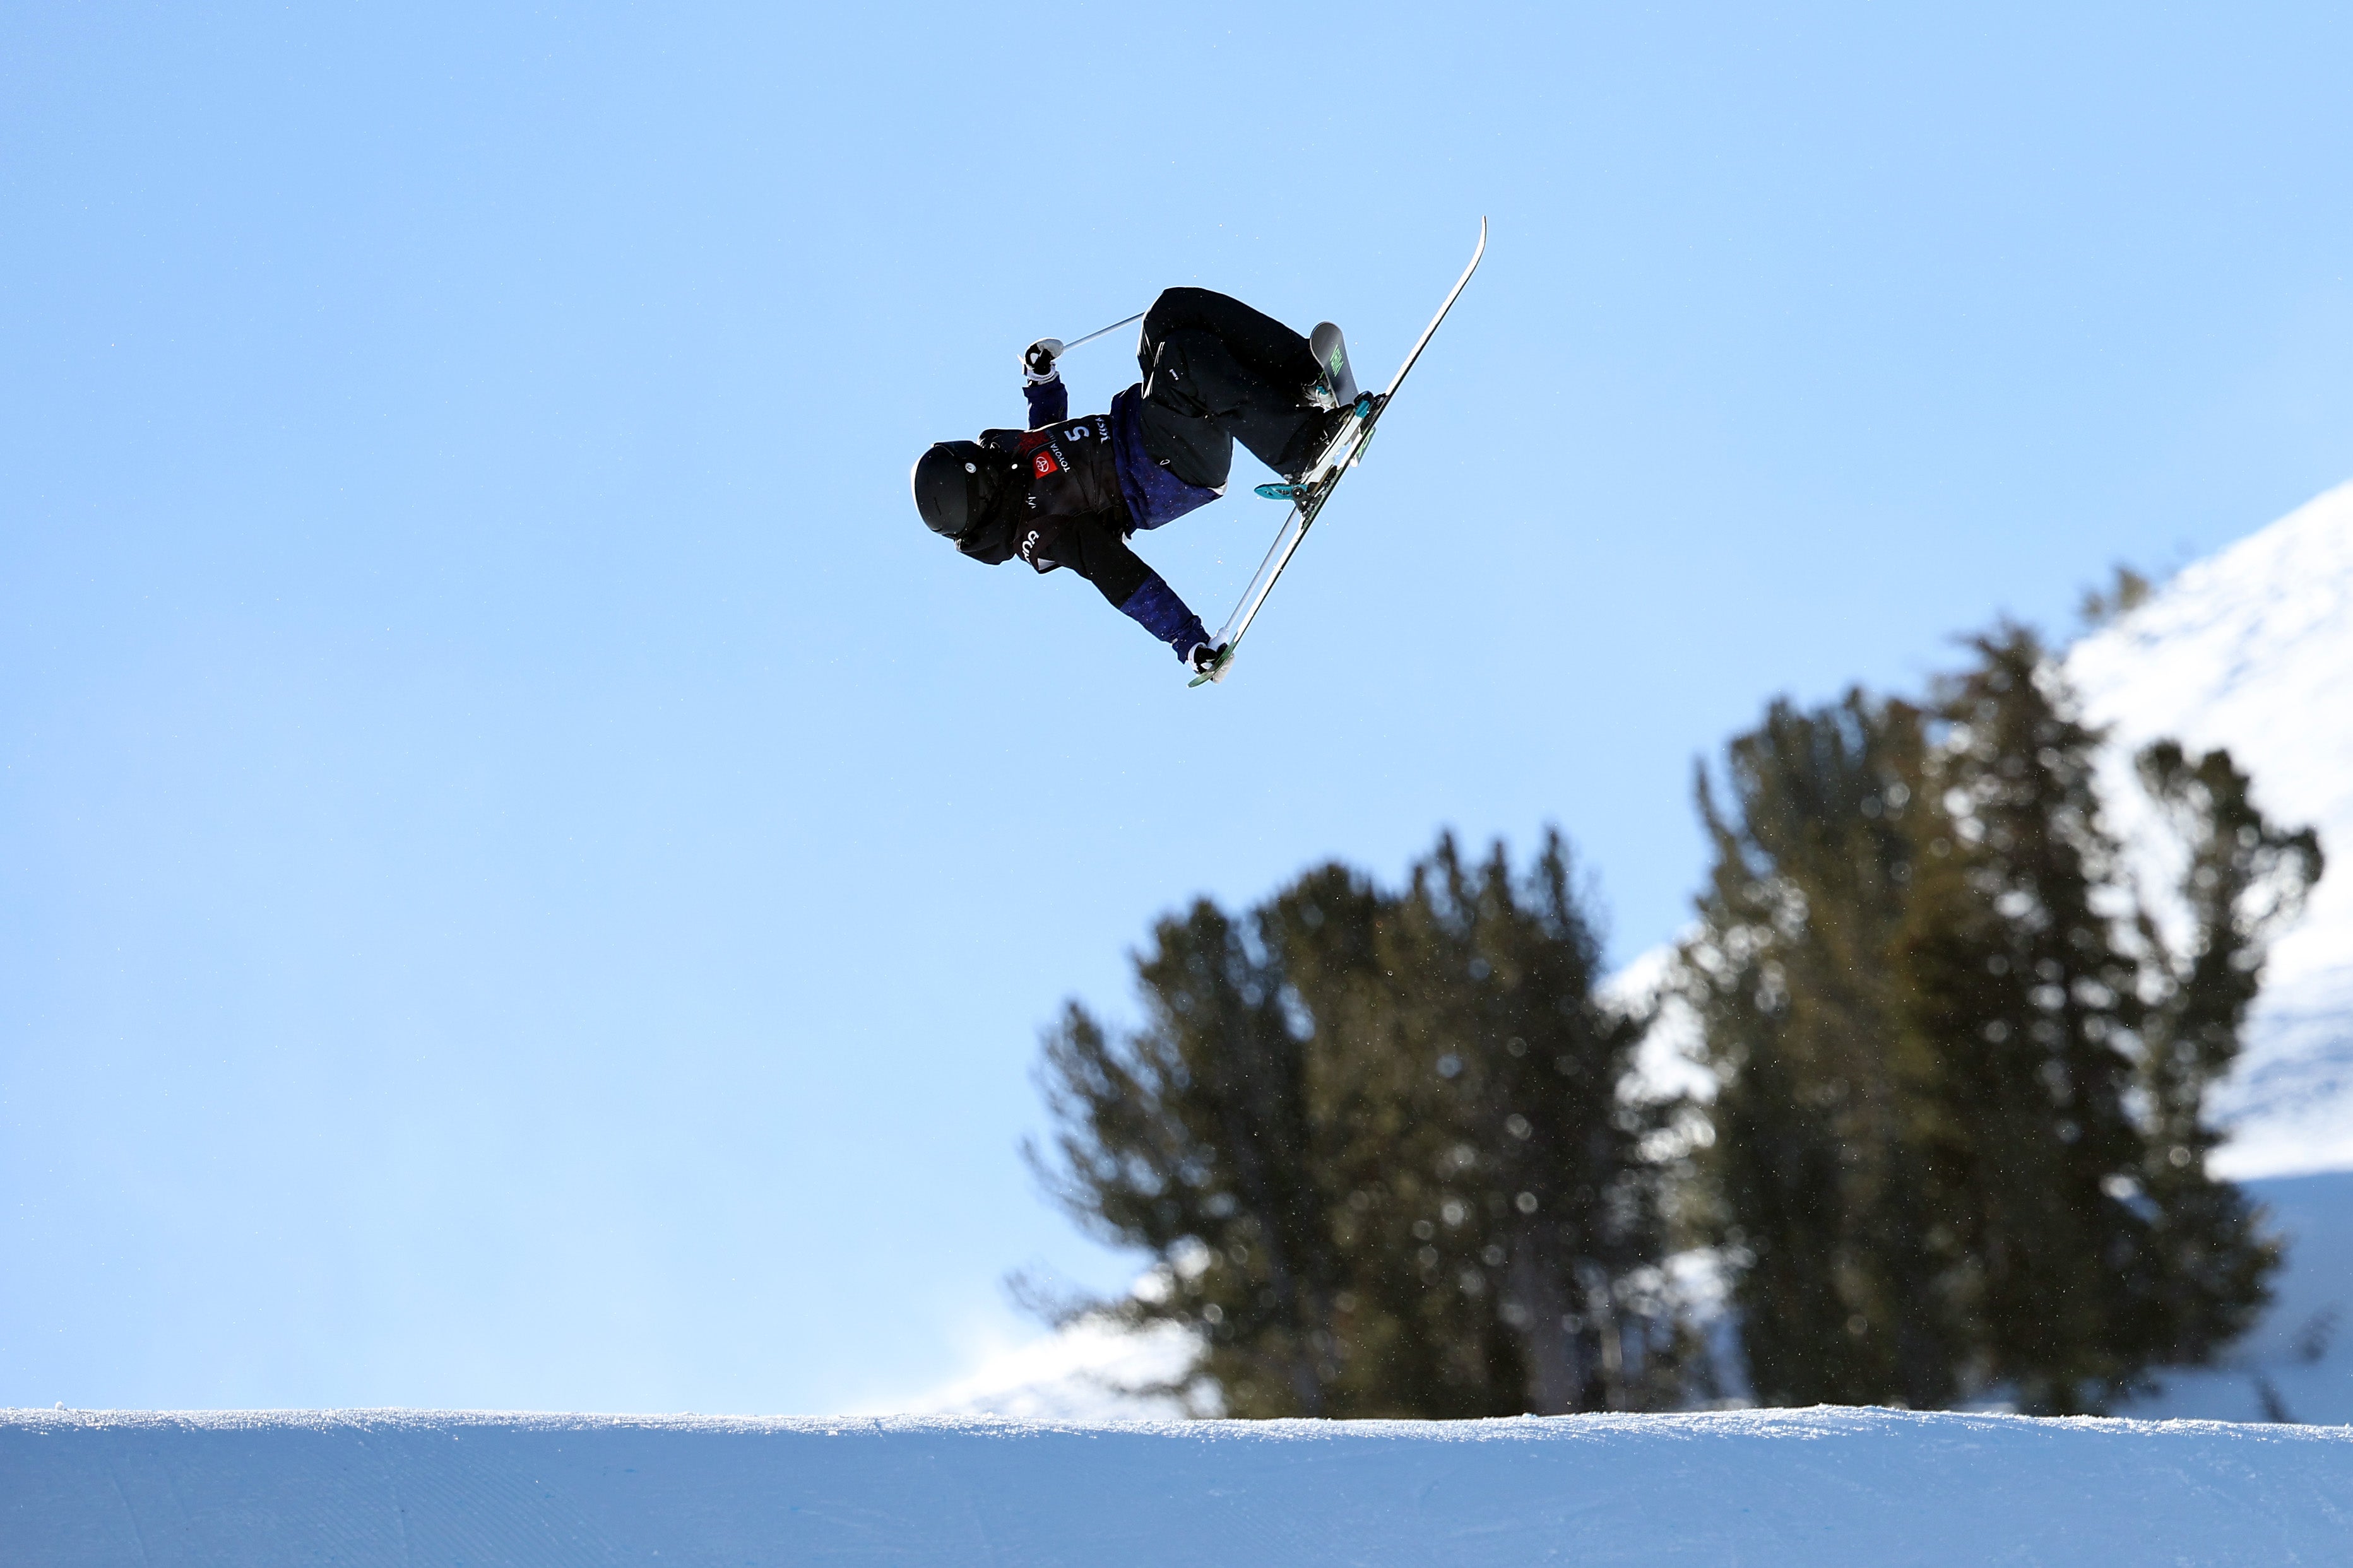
(1830, 1484)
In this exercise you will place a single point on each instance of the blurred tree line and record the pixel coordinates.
(1378, 1143)
(1391, 1154)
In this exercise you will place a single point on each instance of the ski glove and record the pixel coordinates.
(1038, 361)
(1204, 658)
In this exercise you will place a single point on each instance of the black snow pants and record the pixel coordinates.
(1217, 372)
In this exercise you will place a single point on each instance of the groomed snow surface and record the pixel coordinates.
(1820, 1486)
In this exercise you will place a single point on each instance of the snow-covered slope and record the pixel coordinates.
(2298, 1362)
(1828, 1487)
(2252, 649)
(1084, 1372)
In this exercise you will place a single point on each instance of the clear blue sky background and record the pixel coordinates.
(528, 878)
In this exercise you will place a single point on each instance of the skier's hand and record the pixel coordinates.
(1037, 359)
(1204, 657)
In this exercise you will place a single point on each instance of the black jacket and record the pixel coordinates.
(1070, 510)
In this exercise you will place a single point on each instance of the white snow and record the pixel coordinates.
(1822, 1487)
(2301, 1351)
(1086, 1372)
(2252, 649)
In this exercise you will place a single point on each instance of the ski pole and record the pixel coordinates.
(1099, 331)
(1057, 348)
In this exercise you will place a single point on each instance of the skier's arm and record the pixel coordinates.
(1135, 589)
(1155, 608)
(1049, 401)
(1041, 384)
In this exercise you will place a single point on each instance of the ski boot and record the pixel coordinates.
(1332, 443)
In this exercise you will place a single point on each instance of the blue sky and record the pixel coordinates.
(527, 879)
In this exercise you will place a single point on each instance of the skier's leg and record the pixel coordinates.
(1180, 432)
(1267, 349)
(1211, 361)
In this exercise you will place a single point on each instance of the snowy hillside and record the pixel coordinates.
(2252, 649)
(2298, 1362)
(1828, 1487)
(1085, 1372)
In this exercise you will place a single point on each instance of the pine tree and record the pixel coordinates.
(1195, 1140)
(1960, 1138)
(1376, 1144)
(2243, 878)
(2025, 990)
(1824, 1168)
(1541, 1225)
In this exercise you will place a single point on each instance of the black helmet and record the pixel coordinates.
(956, 483)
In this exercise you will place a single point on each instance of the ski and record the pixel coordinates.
(1346, 449)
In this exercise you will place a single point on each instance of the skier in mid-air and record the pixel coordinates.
(1070, 492)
